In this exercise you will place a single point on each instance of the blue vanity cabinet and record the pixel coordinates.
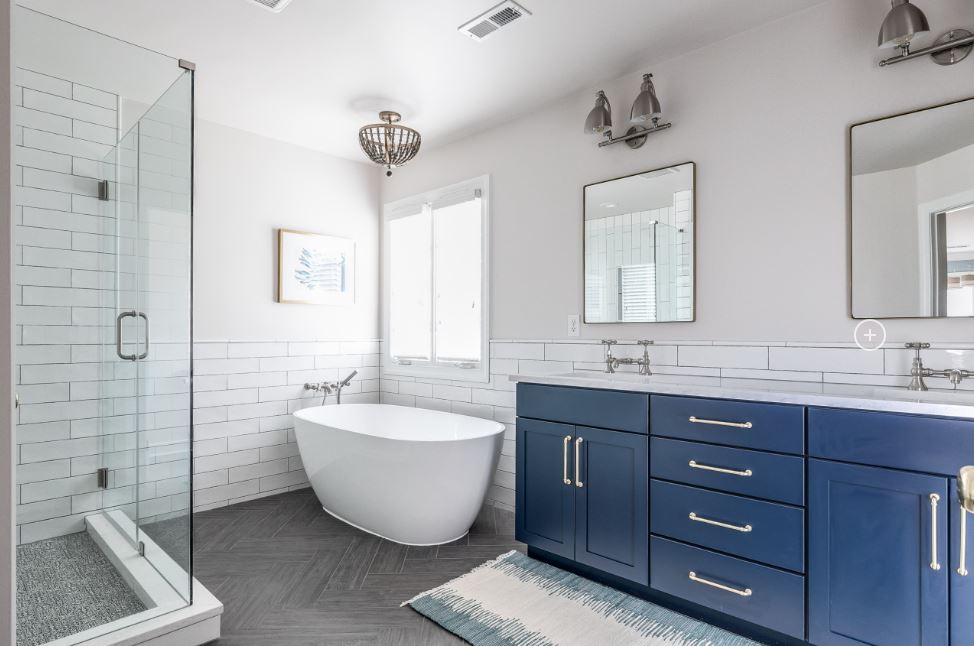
(878, 561)
(612, 503)
(583, 492)
(961, 580)
(545, 509)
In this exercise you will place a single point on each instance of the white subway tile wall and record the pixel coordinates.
(701, 361)
(244, 393)
(76, 264)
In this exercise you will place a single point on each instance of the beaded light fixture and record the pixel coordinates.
(389, 144)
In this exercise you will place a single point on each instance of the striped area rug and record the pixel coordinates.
(515, 600)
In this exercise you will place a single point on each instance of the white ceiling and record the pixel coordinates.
(305, 74)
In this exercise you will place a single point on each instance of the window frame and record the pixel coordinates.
(434, 369)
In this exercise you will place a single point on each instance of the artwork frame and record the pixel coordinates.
(315, 269)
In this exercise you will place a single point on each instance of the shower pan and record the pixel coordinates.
(104, 155)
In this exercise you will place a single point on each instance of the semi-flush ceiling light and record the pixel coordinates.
(645, 108)
(905, 21)
(389, 144)
(600, 117)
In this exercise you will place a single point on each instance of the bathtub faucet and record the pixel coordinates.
(337, 387)
(322, 387)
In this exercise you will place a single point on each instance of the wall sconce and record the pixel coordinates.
(904, 21)
(646, 108)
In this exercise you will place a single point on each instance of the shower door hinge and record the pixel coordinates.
(103, 190)
(102, 478)
(141, 548)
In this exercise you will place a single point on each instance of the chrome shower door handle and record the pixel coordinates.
(564, 460)
(118, 335)
(934, 561)
(145, 353)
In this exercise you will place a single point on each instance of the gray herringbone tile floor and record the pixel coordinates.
(289, 574)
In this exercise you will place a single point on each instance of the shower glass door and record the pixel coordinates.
(148, 346)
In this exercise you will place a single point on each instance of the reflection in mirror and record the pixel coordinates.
(913, 214)
(638, 247)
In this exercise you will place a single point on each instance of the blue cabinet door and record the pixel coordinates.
(545, 502)
(878, 566)
(612, 502)
(961, 581)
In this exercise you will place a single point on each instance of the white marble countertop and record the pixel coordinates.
(940, 403)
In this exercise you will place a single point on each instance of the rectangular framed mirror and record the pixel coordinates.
(638, 247)
(912, 214)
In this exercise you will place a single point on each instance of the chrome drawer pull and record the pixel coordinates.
(717, 422)
(732, 472)
(564, 460)
(934, 562)
(717, 523)
(578, 451)
(746, 592)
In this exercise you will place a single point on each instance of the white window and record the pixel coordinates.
(436, 294)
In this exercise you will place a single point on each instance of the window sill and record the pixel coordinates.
(480, 374)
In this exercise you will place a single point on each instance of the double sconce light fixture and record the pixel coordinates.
(905, 21)
(646, 108)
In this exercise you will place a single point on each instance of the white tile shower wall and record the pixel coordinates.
(64, 276)
(703, 362)
(244, 393)
(77, 262)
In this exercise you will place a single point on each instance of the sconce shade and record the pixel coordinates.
(902, 23)
(646, 107)
(600, 118)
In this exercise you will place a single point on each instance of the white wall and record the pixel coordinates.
(246, 188)
(765, 115)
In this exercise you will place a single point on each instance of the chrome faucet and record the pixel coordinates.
(329, 387)
(918, 372)
(322, 387)
(611, 362)
(343, 383)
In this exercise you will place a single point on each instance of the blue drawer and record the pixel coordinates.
(762, 475)
(776, 599)
(770, 427)
(611, 409)
(914, 443)
(776, 535)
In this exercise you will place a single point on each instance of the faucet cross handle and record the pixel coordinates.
(645, 343)
(609, 342)
(917, 345)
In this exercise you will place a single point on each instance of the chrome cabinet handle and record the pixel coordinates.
(934, 562)
(693, 464)
(746, 592)
(578, 451)
(717, 422)
(564, 460)
(962, 565)
(717, 523)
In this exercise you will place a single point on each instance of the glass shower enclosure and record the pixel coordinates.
(104, 154)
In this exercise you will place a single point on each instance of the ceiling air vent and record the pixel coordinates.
(274, 5)
(490, 21)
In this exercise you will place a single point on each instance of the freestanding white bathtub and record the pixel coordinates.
(410, 475)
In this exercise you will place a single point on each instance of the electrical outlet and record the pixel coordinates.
(573, 325)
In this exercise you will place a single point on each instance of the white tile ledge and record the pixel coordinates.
(958, 404)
